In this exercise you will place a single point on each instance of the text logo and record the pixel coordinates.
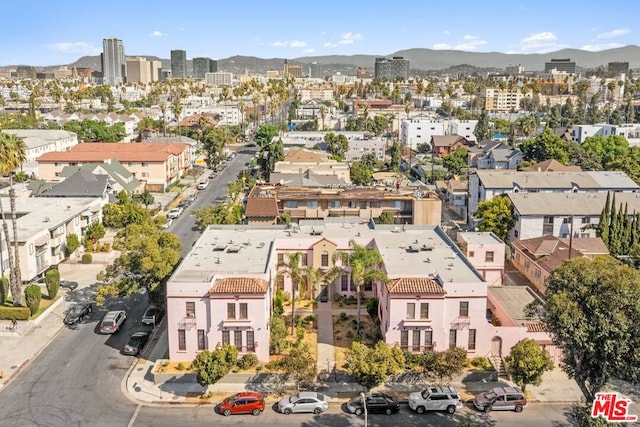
(613, 408)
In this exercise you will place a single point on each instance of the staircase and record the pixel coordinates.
(499, 365)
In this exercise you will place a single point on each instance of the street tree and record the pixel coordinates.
(224, 213)
(264, 135)
(372, 366)
(300, 364)
(482, 130)
(527, 362)
(455, 162)
(12, 155)
(442, 365)
(337, 145)
(148, 255)
(592, 312)
(496, 215)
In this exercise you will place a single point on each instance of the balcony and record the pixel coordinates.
(461, 322)
(416, 348)
(416, 322)
(188, 322)
(237, 323)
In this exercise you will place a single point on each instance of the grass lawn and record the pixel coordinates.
(45, 303)
(344, 330)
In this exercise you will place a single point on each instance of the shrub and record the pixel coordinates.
(300, 333)
(106, 247)
(481, 363)
(309, 318)
(73, 243)
(248, 361)
(18, 313)
(278, 303)
(52, 281)
(32, 297)
(372, 308)
(343, 316)
(4, 289)
(181, 367)
(86, 259)
(278, 335)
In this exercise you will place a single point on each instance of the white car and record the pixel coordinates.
(202, 185)
(167, 224)
(436, 399)
(174, 213)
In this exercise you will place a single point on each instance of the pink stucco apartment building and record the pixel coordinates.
(435, 298)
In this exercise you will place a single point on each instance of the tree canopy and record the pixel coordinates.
(593, 313)
(496, 215)
(527, 362)
(372, 366)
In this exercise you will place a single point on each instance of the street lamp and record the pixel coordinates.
(364, 406)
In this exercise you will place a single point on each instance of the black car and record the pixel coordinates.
(136, 343)
(68, 284)
(77, 313)
(377, 403)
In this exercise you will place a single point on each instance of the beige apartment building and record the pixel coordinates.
(156, 164)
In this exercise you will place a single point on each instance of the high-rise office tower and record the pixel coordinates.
(179, 64)
(201, 66)
(138, 70)
(114, 69)
(391, 68)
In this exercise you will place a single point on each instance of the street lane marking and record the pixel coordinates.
(135, 415)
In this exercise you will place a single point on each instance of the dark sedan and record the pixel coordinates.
(77, 313)
(136, 343)
(377, 403)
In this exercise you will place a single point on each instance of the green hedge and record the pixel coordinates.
(86, 259)
(4, 289)
(52, 280)
(32, 297)
(18, 313)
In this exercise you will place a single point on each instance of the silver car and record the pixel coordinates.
(305, 401)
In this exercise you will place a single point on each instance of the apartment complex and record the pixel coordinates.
(141, 70)
(202, 66)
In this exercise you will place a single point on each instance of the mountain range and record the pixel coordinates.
(420, 59)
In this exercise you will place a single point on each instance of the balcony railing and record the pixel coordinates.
(188, 322)
(416, 348)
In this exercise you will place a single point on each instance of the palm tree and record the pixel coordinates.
(301, 277)
(364, 266)
(12, 155)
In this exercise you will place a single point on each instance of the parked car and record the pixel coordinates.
(136, 343)
(152, 315)
(167, 224)
(68, 284)
(174, 213)
(376, 403)
(501, 399)
(436, 399)
(248, 402)
(306, 401)
(212, 175)
(77, 313)
(112, 321)
(202, 185)
(192, 198)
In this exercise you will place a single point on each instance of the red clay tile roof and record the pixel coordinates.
(414, 285)
(536, 327)
(239, 285)
(121, 151)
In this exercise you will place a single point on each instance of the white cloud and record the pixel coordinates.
(349, 38)
(158, 34)
(76, 48)
(469, 43)
(542, 42)
(330, 44)
(290, 43)
(539, 37)
(614, 33)
(599, 47)
(309, 50)
(446, 32)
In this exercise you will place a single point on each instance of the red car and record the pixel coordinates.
(249, 402)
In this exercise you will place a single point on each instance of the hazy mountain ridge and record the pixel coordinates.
(420, 59)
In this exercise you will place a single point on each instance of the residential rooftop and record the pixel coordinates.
(514, 299)
(121, 151)
(584, 180)
(479, 237)
(408, 251)
(583, 204)
(34, 138)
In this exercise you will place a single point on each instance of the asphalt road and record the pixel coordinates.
(77, 380)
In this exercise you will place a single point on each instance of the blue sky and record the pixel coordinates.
(51, 33)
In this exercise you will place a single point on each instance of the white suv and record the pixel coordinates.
(435, 399)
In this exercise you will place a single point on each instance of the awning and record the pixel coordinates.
(237, 323)
(420, 323)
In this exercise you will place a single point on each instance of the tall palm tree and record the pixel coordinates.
(301, 277)
(364, 265)
(12, 155)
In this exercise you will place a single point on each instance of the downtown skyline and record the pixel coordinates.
(292, 30)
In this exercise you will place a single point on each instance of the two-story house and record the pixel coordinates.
(443, 145)
(484, 184)
(563, 215)
(494, 155)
